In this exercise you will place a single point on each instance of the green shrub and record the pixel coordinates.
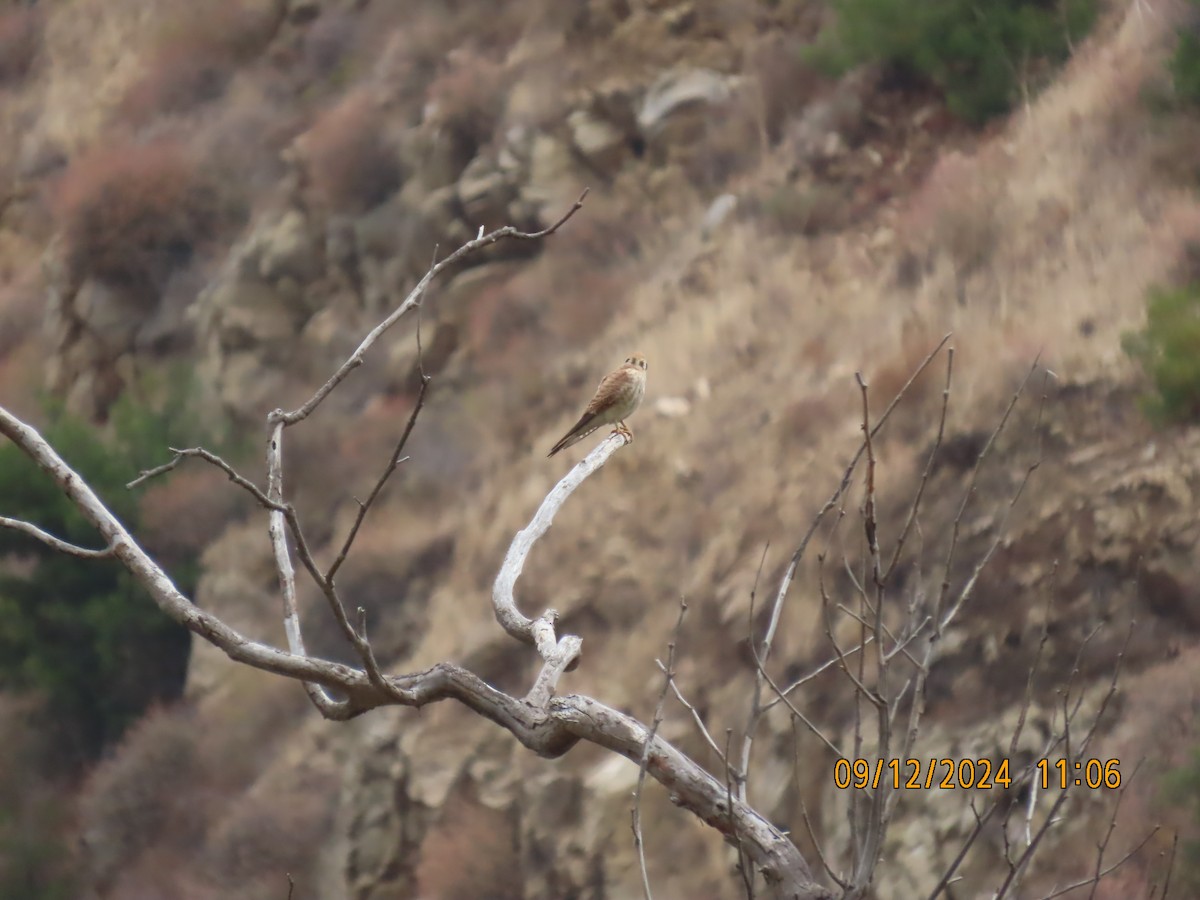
(977, 54)
(81, 633)
(1185, 61)
(1168, 348)
(1180, 789)
(35, 860)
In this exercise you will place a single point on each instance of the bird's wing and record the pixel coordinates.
(611, 387)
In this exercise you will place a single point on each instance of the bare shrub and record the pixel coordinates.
(467, 97)
(808, 209)
(612, 234)
(180, 515)
(141, 795)
(35, 855)
(132, 213)
(470, 852)
(352, 165)
(891, 372)
(175, 81)
(955, 211)
(330, 42)
(269, 840)
(20, 313)
(20, 41)
(786, 81)
(729, 141)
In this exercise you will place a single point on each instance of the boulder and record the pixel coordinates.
(286, 247)
(111, 314)
(552, 183)
(668, 109)
(598, 140)
(485, 190)
(247, 313)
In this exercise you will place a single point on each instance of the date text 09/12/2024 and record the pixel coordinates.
(978, 774)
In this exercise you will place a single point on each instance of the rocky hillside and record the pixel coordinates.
(247, 189)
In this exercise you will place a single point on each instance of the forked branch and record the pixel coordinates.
(545, 724)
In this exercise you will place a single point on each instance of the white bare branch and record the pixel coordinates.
(54, 543)
(548, 730)
(511, 619)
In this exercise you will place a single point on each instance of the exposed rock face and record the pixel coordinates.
(666, 113)
(598, 140)
(95, 328)
(249, 317)
(562, 811)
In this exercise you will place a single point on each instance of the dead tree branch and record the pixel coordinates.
(546, 724)
(54, 543)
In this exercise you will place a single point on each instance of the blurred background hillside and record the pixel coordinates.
(205, 206)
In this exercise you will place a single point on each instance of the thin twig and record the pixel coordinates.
(1099, 872)
(55, 543)
(756, 708)
(704, 732)
(413, 299)
(209, 457)
(1170, 866)
(277, 520)
(812, 834)
(1095, 881)
(1019, 867)
(871, 828)
(915, 507)
(804, 679)
(747, 876)
(395, 460)
(1037, 662)
(941, 619)
(635, 811)
(796, 713)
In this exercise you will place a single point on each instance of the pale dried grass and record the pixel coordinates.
(89, 64)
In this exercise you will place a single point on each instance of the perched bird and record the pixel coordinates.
(618, 397)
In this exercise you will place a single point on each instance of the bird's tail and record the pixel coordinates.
(580, 430)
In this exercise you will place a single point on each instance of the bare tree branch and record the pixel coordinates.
(548, 730)
(730, 778)
(635, 811)
(365, 505)
(55, 543)
(209, 457)
(413, 299)
(701, 727)
(511, 619)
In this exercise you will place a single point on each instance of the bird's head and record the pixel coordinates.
(637, 361)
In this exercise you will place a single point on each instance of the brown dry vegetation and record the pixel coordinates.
(196, 54)
(349, 159)
(131, 213)
(177, 811)
(20, 38)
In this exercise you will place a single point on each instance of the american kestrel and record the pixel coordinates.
(618, 397)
